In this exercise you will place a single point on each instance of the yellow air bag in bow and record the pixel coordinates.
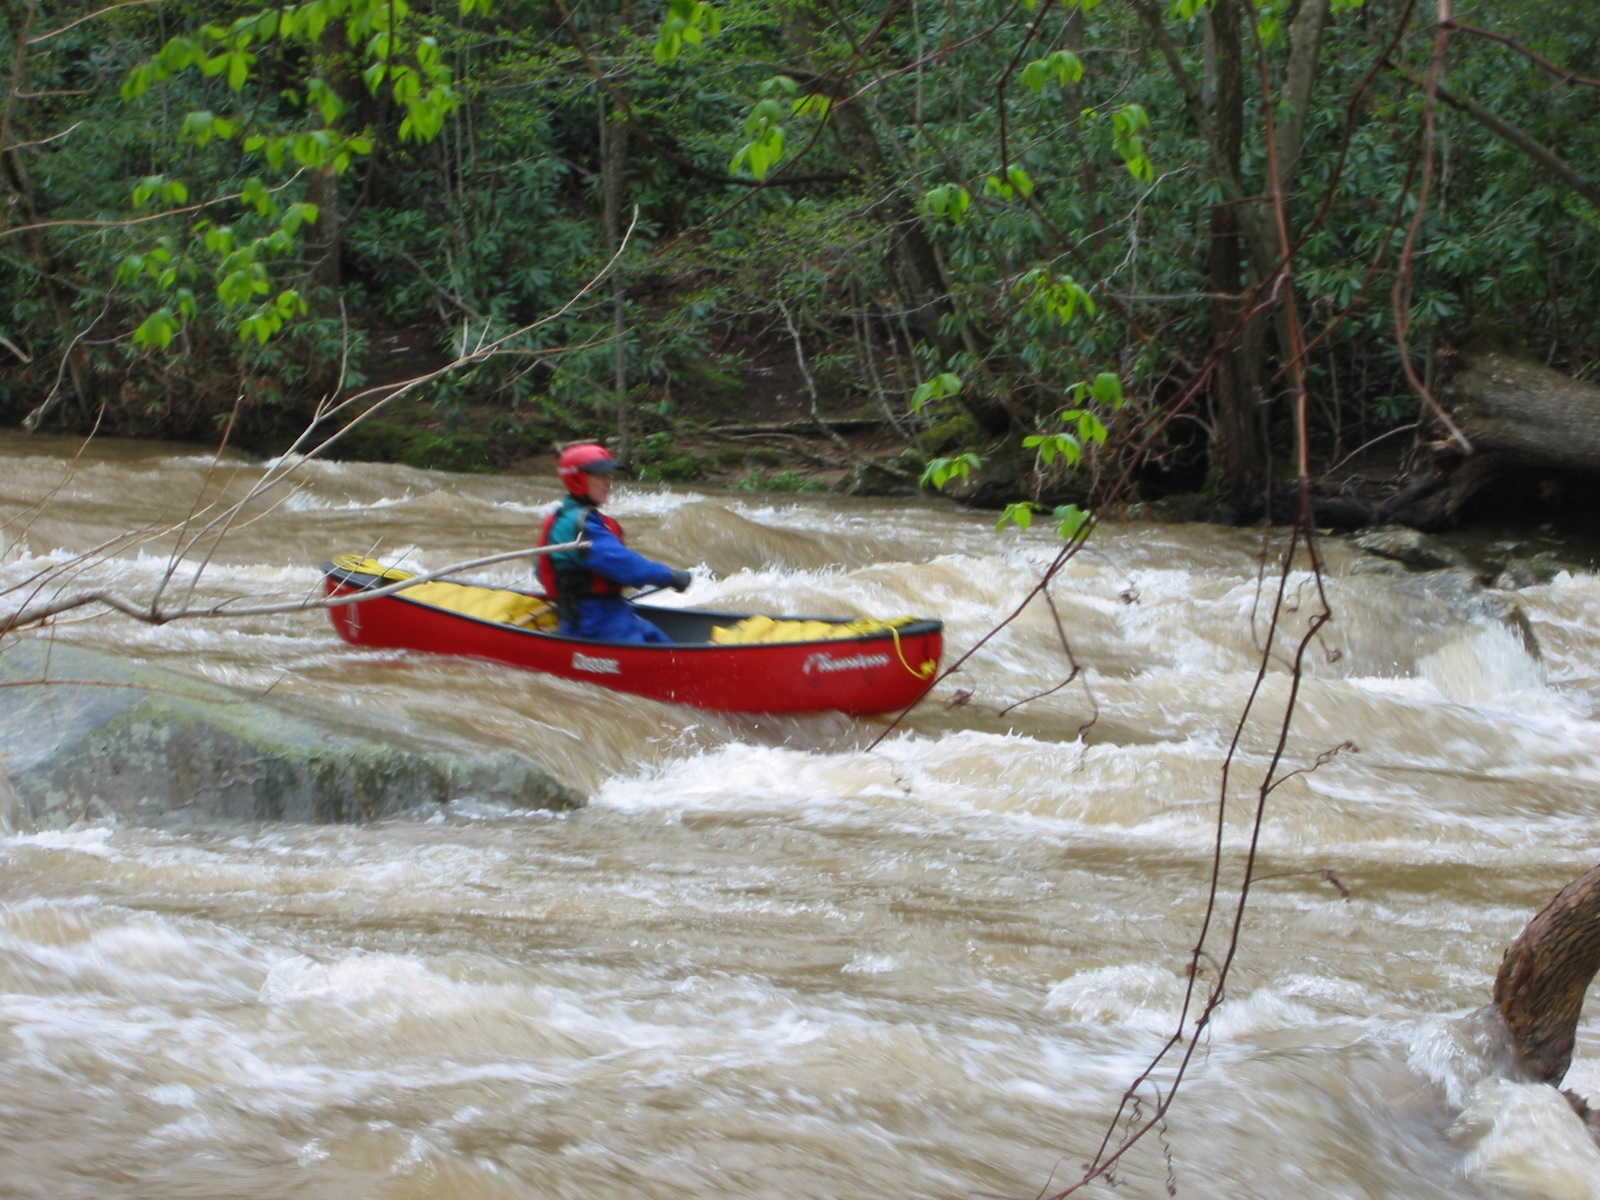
(485, 603)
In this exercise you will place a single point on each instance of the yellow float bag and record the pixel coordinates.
(752, 630)
(769, 629)
(485, 603)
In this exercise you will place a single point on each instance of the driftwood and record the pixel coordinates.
(1542, 981)
(1525, 413)
(1534, 435)
(1528, 425)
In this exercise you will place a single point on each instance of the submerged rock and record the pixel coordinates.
(90, 736)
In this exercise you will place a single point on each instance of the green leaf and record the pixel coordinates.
(302, 213)
(815, 104)
(146, 189)
(255, 194)
(1057, 296)
(949, 201)
(1107, 389)
(1019, 514)
(1063, 67)
(937, 388)
(329, 106)
(290, 303)
(178, 53)
(1051, 446)
(686, 22)
(138, 82)
(315, 16)
(1067, 66)
(763, 116)
(762, 154)
(239, 63)
(157, 330)
(1091, 428)
(1070, 520)
(993, 185)
(197, 127)
(941, 471)
(405, 84)
(219, 239)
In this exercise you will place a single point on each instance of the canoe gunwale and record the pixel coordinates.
(362, 581)
(887, 669)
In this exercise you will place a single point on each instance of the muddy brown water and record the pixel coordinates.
(773, 959)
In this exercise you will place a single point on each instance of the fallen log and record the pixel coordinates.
(1525, 413)
(1534, 432)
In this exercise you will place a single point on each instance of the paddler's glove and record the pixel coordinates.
(680, 579)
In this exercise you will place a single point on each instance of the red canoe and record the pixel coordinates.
(857, 666)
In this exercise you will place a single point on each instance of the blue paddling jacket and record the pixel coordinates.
(587, 583)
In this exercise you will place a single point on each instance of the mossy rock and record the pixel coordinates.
(958, 432)
(872, 479)
(87, 735)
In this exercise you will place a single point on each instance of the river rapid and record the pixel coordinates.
(783, 957)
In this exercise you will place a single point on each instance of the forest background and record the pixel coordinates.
(1118, 253)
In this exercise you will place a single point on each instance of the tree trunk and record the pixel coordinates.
(1543, 978)
(1238, 449)
(1241, 463)
(325, 239)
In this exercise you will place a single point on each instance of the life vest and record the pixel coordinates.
(563, 575)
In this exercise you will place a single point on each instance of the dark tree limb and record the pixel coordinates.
(1523, 140)
(1543, 979)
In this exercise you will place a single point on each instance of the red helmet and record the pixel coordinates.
(577, 463)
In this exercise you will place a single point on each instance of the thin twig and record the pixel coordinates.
(151, 615)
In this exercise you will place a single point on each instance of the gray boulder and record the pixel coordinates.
(1419, 551)
(127, 741)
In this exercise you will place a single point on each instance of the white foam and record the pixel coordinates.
(1523, 1140)
(95, 841)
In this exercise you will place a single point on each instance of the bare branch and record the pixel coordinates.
(45, 37)
(1543, 63)
(124, 222)
(151, 614)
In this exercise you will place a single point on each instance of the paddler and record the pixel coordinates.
(587, 583)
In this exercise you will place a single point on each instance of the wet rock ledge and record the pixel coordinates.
(89, 736)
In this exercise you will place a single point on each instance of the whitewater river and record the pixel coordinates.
(779, 958)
